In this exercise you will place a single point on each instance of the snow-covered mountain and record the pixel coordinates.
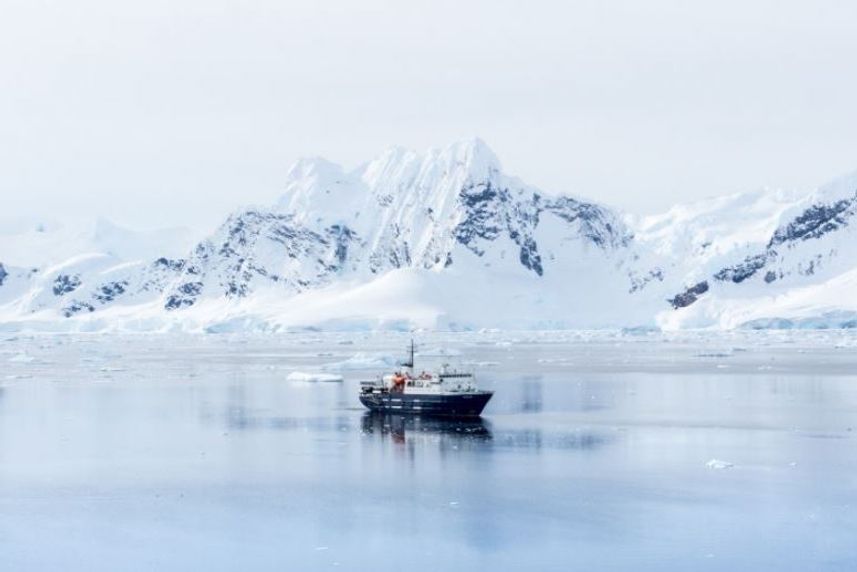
(49, 269)
(787, 267)
(446, 239)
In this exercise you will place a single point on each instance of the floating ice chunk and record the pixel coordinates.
(21, 358)
(718, 464)
(303, 376)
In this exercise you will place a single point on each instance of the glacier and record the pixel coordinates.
(445, 240)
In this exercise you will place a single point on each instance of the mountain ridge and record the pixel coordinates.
(478, 247)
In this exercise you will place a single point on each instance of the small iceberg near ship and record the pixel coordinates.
(719, 465)
(313, 377)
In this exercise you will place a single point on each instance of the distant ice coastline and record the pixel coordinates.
(328, 356)
(831, 322)
(350, 350)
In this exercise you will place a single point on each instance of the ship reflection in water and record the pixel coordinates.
(399, 428)
(474, 433)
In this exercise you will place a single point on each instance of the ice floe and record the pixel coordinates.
(719, 464)
(313, 377)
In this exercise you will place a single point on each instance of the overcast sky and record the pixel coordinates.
(170, 112)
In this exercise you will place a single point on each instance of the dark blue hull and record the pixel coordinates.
(447, 405)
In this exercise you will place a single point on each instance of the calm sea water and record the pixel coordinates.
(609, 452)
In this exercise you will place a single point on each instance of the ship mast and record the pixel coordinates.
(410, 363)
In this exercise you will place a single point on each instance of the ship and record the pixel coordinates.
(446, 392)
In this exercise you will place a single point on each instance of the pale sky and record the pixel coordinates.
(170, 112)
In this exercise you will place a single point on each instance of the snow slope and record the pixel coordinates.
(37, 243)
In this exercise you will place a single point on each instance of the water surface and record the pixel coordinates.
(194, 452)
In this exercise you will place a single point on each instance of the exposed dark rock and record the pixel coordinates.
(491, 211)
(3, 274)
(596, 223)
(64, 283)
(530, 257)
(342, 236)
(740, 272)
(233, 262)
(392, 252)
(76, 307)
(690, 295)
(170, 264)
(186, 295)
(640, 282)
(481, 218)
(108, 292)
(816, 221)
(811, 267)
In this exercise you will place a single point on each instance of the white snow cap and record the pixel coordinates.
(843, 187)
(317, 189)
(315, 184)
(474, 155)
